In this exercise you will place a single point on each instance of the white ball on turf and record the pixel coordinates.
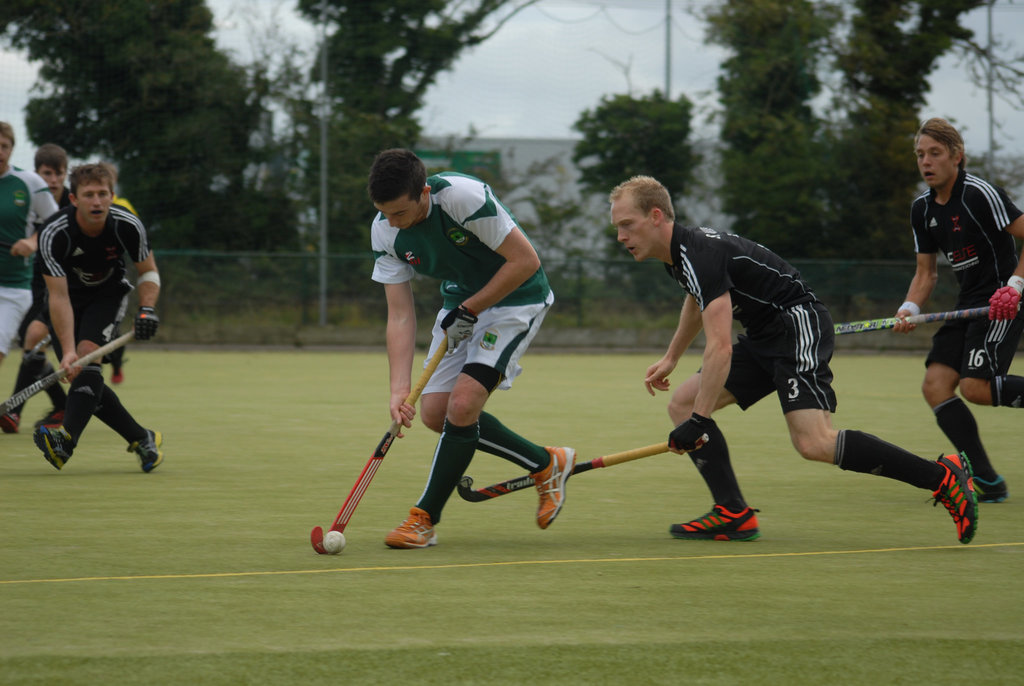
(334, 542)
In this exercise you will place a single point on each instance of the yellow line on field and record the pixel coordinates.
(466, 565)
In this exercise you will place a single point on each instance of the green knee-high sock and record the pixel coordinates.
(498, 439)
(451, 458)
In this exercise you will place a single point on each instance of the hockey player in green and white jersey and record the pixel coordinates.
(495, 294)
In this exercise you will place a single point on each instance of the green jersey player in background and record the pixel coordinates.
(495, 295)
(24, 200)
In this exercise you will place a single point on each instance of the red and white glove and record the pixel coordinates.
(1005, 302)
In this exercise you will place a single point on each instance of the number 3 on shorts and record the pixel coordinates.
(794, 389)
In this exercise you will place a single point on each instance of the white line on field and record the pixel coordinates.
(466, 565)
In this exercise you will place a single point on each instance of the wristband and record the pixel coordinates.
(1016, 282)
(913, 307)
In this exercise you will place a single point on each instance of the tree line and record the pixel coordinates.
(226, 156)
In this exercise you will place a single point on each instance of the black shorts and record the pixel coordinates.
(789, 357)
(976, 348)
(97, 315)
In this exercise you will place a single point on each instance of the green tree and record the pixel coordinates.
(774, 158)
(892, 47)
(383, 56)
(625, 136)
(140, 83)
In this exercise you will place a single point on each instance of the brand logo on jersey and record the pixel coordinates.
(411, 258)
(457, 236)
(962, 258)
(710, 233)
(489, 340)
(77, 252)
(932, 224)
(20, 199)
(956, 223)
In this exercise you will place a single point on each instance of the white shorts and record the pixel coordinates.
(14, 303)
(500, 337)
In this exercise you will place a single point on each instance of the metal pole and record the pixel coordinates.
(668, 48)
(991, 111)
(323, 167)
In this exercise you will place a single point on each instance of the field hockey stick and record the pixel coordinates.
(47, 381)
(43, 342)
(890, 322)
(316, 536)
(467, 492)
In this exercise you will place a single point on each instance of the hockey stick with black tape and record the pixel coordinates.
(316, 536)
(47, 381)
(467, 492)
(890, 322)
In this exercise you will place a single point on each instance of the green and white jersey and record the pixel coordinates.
(24, 200)
(455, 243)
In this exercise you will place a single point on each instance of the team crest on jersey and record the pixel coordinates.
(490, 340)
(20, 199)
(411, 258)
(456, 235)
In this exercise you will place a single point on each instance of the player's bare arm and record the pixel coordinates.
(689, 326)
(401, 345)
(921, 287)
(63, 320)
(521, 262)
(717, 320)
(148, 287)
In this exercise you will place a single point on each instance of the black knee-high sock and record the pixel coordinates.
(957, 422)
(1008, 391)
(857, 451)
(84, 395)
(58, 396)
(111, 412)
(497, 439)
(29, 371)
(451, 458)
(712, 461)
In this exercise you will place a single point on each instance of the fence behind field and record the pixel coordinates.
(274, 299)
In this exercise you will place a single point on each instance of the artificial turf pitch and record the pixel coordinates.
(202, 571)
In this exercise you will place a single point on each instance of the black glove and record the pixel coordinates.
(146, 323)
(691, 434)
(458, 324)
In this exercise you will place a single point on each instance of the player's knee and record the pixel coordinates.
(814, 448)
(977, 391)
(432, 419)
(679, 411)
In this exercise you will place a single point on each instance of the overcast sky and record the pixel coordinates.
(558, 58)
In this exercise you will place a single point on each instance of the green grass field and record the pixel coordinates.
(202, 572)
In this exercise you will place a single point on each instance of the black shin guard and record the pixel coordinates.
(112, 413)
(1007, 391)
(857, 451)
(712, 461)
(85, 394)
(957, 422)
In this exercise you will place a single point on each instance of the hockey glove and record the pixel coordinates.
(1005, 302)
(458, 324)
(146, 323)
(691, 434)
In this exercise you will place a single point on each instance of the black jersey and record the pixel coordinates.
(969, 231)
(92, 262)
(707, 263)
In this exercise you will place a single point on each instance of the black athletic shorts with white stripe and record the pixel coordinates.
(977, 348)
(789, 357)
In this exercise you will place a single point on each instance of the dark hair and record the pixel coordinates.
(395, 173)
(91, 173)
(53, 156)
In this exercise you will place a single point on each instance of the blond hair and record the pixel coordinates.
(647, 194)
